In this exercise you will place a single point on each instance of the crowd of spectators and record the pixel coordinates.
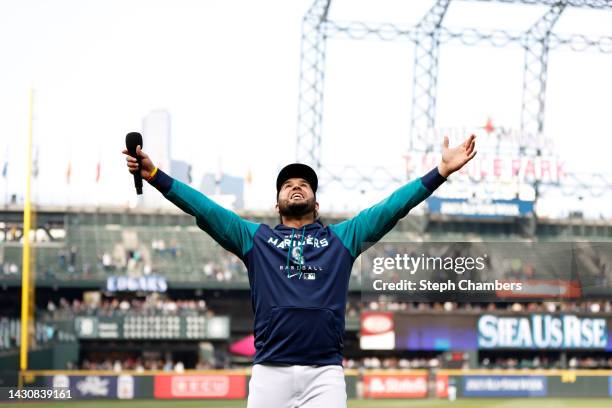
(154, 305)
(141, 364)
(390, 363)
(133, 364)
(226, 268)
(141, 257)
(210, 357)
(512, 363)
(159, 246)
(602, 361)
(150, 306)
(160, 258)
(516, 307)
(590, 362)
(575, 362)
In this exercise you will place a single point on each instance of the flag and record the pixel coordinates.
(35, 164)
(68, 172)
(98, 172)
(488, 127)
(5, 169)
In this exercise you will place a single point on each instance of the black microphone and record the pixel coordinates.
(132, 140)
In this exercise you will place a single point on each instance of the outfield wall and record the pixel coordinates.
(369, 384)
(527, 383)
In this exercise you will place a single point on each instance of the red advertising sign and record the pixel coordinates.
(200, 386)
(442, 386)
(395, 386)
(373, 323)
(377, 331)
(497, 168)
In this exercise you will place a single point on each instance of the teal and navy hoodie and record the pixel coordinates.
(299, 277)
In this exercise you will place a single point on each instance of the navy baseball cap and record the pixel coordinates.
(297, 170)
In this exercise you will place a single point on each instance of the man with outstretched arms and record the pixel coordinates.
(299, 273)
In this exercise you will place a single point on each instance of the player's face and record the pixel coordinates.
(296, 198)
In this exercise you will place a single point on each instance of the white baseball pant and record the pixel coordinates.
(297, 386)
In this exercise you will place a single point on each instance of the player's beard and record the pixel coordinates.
(288, 209)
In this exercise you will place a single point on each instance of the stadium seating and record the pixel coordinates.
(187, 254)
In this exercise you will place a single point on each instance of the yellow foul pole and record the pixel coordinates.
(25, 260)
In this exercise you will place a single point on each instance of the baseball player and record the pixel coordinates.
(299, 273)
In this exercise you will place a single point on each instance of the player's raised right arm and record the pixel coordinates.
(371, 224)
(224, 226)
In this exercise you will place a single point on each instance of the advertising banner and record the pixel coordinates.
(504, 386)
(102, 386)
(540, 331)
(438, 332)
(395, 386)
(91, 386)
(435, 332)
(377, 331)
(200, 386)
(488, 208)
(442, 386)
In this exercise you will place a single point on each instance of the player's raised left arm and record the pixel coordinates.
(455, 158)
(371, 224)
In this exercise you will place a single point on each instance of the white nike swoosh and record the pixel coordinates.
(291, 276)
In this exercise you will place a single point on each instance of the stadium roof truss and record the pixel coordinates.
(427, 35)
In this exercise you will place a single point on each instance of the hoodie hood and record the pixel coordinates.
(309, 227)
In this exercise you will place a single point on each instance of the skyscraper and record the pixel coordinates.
(224, 185)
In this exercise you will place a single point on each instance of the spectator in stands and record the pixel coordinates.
(174, 248)
(124, 305)
(107, 262)
(61, 258)
(209, 269)
(13, 269)
(168, 365)
(159, 245)
(147, 269)
(602, 277)
(73, 256)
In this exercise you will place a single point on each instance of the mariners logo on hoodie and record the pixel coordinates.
(296, 256)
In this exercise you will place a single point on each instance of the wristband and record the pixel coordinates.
(153, 173)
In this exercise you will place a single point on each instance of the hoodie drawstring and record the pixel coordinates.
(301, 244)
(302, 248)
(289, 252)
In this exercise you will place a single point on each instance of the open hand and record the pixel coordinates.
(455, 158)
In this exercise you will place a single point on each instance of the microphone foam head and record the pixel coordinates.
(132, 140)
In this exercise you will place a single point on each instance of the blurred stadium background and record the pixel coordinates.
(135, 302)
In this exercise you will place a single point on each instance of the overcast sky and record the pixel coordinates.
(227, 72)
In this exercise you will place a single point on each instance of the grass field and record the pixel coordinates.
(465, 403)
